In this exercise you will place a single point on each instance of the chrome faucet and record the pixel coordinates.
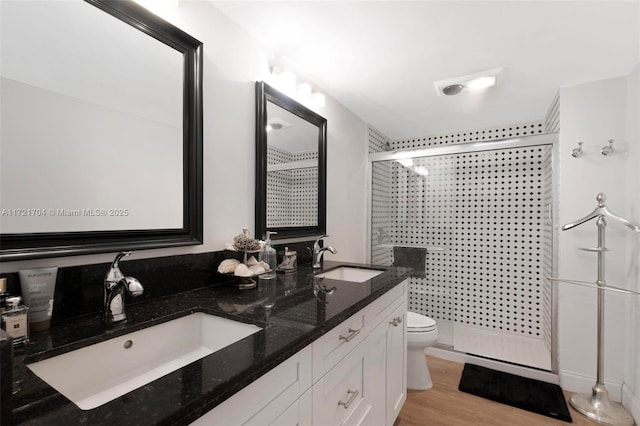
(115, 284)
(319, 251)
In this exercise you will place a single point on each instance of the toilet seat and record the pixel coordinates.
(417, 323)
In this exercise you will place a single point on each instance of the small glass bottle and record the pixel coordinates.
(15, 320)
(268, 256)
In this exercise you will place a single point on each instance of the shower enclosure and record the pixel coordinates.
(489, 206)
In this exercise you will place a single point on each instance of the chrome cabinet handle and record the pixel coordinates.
(354, 394)
(353, 333)
(396, 321)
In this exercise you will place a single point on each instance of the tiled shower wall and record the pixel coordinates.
(286, 186)
(489, 211)
(478, 135)
(378, 142)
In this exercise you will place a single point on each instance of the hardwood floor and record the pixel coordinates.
(445, 405)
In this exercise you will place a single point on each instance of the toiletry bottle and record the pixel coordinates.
(268, 256)
(15, 320)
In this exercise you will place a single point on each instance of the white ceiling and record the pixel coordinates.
(380, 58)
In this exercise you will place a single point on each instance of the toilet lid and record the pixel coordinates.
(417, 322)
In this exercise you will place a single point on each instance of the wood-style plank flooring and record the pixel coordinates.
(445, 405)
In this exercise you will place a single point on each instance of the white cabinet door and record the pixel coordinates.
(396, 363)
(387, 378)
(377, 377)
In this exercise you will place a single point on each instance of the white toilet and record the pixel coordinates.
(421, 333)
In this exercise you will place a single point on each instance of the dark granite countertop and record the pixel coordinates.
(296, 319)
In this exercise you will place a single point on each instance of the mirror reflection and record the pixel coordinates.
(292, 169)
(87, 143)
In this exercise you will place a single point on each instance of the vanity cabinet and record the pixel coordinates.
(355, 374)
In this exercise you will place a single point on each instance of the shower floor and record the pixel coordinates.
(507, 347)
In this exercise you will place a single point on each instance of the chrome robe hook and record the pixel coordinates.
(577, 152)
(607, 149)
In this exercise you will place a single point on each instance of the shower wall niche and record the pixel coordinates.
(490, 209)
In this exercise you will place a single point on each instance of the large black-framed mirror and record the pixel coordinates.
(102, 130)
(291, 166)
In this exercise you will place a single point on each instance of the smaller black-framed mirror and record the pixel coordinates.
(291, 166)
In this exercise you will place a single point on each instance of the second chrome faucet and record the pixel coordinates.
(318, 252)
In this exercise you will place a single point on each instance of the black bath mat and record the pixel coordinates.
(520, 392)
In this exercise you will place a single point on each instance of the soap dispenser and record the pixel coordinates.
(268, 256)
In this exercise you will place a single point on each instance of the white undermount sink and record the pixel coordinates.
(99, 373)
(348, 273)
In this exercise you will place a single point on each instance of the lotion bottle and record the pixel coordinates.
(268, 256)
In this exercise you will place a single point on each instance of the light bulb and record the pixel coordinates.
(303, 93)
(481, 83)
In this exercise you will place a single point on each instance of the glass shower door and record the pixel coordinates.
(488, 290)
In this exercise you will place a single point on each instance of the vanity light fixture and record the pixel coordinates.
(317, 100)
(286, 82)
(473, 82)
(303, 93)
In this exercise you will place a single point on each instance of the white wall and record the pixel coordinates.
(594, 113)
(233, 61)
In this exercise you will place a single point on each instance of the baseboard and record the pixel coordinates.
(579, 383)
(631, 402)
(460, 357)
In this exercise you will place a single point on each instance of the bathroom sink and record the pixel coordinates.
(99, 373)
(347, 273)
